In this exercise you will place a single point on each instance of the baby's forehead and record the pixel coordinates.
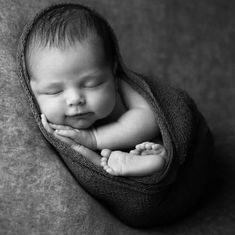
(87, 56)
(91, 46)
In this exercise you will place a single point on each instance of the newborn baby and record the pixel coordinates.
(79, 83)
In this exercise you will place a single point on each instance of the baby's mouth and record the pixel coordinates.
(80, 120)
(80, 115)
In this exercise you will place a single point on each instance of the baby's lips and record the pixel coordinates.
(80, 115)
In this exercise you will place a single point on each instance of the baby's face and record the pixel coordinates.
(73, 86)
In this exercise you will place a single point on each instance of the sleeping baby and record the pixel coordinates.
(78, 79)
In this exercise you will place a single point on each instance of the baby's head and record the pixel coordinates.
(73, 62)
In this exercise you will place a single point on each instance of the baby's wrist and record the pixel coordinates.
(94, 137)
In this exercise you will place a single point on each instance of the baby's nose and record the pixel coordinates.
(75, 98)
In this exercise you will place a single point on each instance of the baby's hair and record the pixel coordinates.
(63, 25)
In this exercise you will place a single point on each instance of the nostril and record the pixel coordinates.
(74, 96)
(82, 101)
(76, 101)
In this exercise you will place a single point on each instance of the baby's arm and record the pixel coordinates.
(136, 125)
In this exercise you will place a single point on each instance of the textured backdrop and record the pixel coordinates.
(189, 44)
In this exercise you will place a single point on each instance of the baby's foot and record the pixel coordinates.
(147, 148)
(114, 162)
(146, 159)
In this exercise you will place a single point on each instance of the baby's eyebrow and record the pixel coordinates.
(96, 72)
(93, 74)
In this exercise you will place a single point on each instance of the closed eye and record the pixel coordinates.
(52, 92)
(93, 84)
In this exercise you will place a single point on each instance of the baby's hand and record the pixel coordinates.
(91, 155)
(83, 137)
(49, 129)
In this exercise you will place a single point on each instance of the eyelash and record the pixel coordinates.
(53, 93)
(85, 86)
(93, 86)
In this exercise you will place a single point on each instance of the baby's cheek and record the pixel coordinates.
(105, 104)
(53, 112)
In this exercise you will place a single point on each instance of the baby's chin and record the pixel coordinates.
(81, 124)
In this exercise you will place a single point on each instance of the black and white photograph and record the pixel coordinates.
(117, 117)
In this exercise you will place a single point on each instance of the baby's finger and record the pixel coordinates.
(67, 133)
(46, 124)
(60, 127)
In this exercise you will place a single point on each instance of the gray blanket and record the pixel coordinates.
(185, 43)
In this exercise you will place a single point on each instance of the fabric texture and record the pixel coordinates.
(156, 199)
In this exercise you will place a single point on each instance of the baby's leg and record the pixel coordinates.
(146, 159)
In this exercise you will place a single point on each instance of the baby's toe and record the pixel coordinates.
(148, 145)
(110, 171)
(106, 167)
(105, 153)
(135, 152)
(104, 161)
(140, 146)
(156, 146)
